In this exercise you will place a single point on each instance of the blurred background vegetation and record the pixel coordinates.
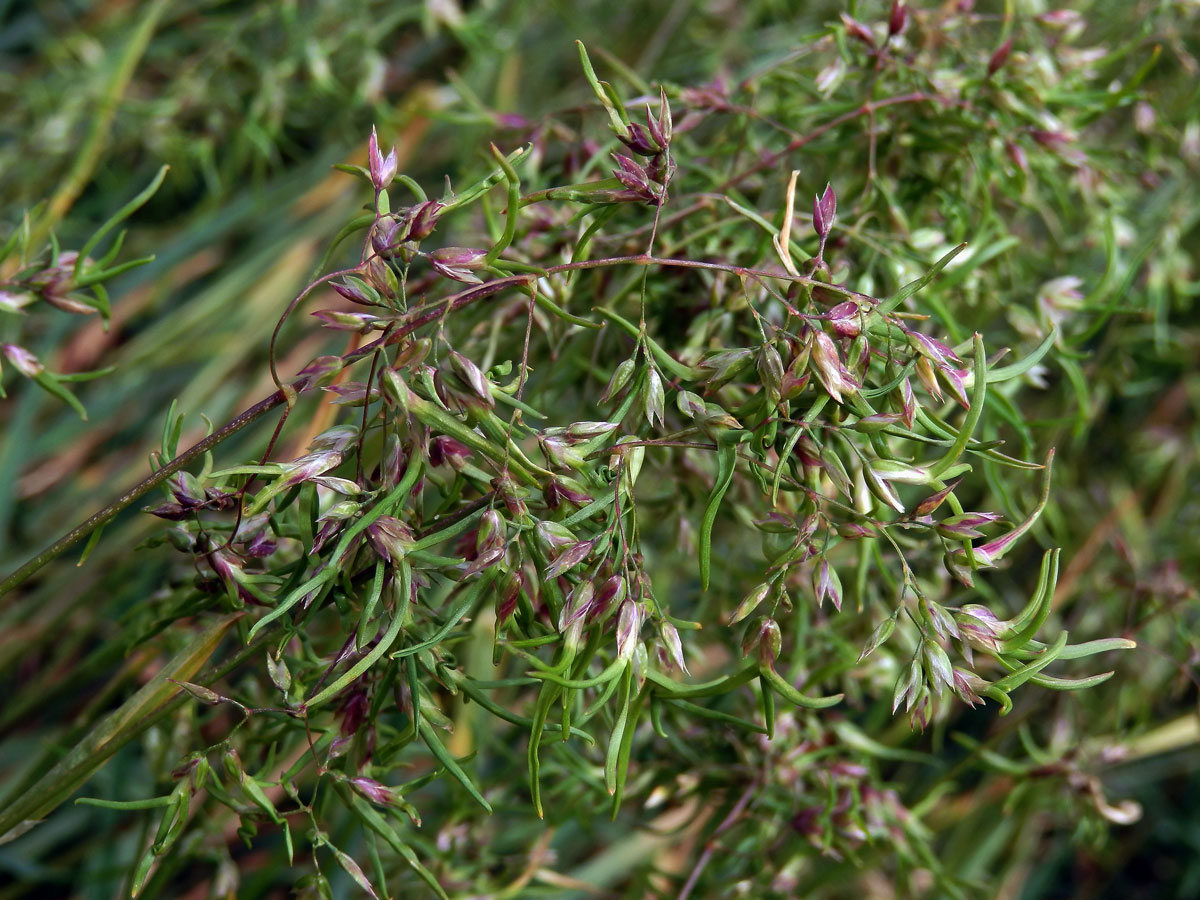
(251, 103)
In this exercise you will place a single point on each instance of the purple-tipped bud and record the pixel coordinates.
(383, 170)
(1056, 141)
(558, 490)
(826, 583)
(969, 686)
(508, 595)
(387, 234)
(999, 58)
(763, 640)
(584, 431)
(307, 467)
(907, 687)
(201, 693)
(750, 603)
(828, 364)
(55, 284)
(674, 647)
(928, 379)
(937, 664)
(955, 381)
(554, 537)
(261, 545)
(908, 403)
(620, 378)
(796, 376)
(918, 718)
(898, 20)
(445, 450)
(1017, 154)
(490, 542)
(353, 710)
(374, 791)
(458, 262)
(956, 564)
(638, 139)
(352, 393)
(660, 128)
(472, 376)
(932, 349)
(629, 627)
(943, 623)
(770, 369)
(611, 595)
(689, 404)
(172, 512)
(321, 370)
(932, 502)
(413, 352)
(578, 602)
(339, 437)
(725, 364)
(507, 489)
(391, 538)
(491, 530)
(893, 470)
(655, 398)
(979, 627)
(967, 525)
(776, 523)
(632, 175)
(186, 490)
(11, 302)
(344, 486)
(858, 30)
(338, 320)
(228, 567)
(356, 291)
(570, 558)
(854, 531)
(846, 319)
(424, 219)
(824, 211)
(560, 451)
(876, 422)
(395, 391)
(22, 360)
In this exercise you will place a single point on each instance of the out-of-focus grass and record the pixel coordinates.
(251, 103)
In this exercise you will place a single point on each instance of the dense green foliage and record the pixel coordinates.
(637, 482)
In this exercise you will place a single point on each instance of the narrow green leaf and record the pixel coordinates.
(913, 286)
(541, 711)
(352, 869)
(1031, 619)
(50, 383)
(1020, 675)
(1019, 368)
(117, 218)
(443, 756)
(352, 674)
(152, 803)
(467, 599)
(726, 462)
(978, 395)
(618, 733)
(377, 823)
(789, 693)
